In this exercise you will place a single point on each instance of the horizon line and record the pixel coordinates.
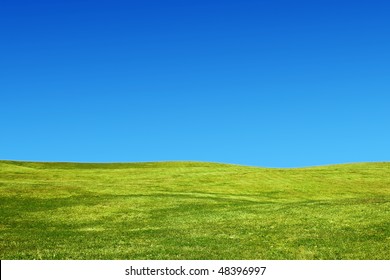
(189, 161)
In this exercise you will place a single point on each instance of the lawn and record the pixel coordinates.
(193, 210)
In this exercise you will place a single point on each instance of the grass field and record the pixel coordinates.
(189, 210)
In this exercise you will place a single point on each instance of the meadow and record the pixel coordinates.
(193, 210)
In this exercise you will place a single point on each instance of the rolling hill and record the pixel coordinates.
(193, 210)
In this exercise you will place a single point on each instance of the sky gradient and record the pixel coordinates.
(263, 83)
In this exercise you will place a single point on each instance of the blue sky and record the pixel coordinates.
(264, 83)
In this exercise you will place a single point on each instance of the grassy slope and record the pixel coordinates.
(184, 210)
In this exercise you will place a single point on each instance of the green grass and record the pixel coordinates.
(189, 210)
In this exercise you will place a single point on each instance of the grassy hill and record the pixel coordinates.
(191, 210)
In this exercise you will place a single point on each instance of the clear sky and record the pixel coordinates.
(265, 83)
